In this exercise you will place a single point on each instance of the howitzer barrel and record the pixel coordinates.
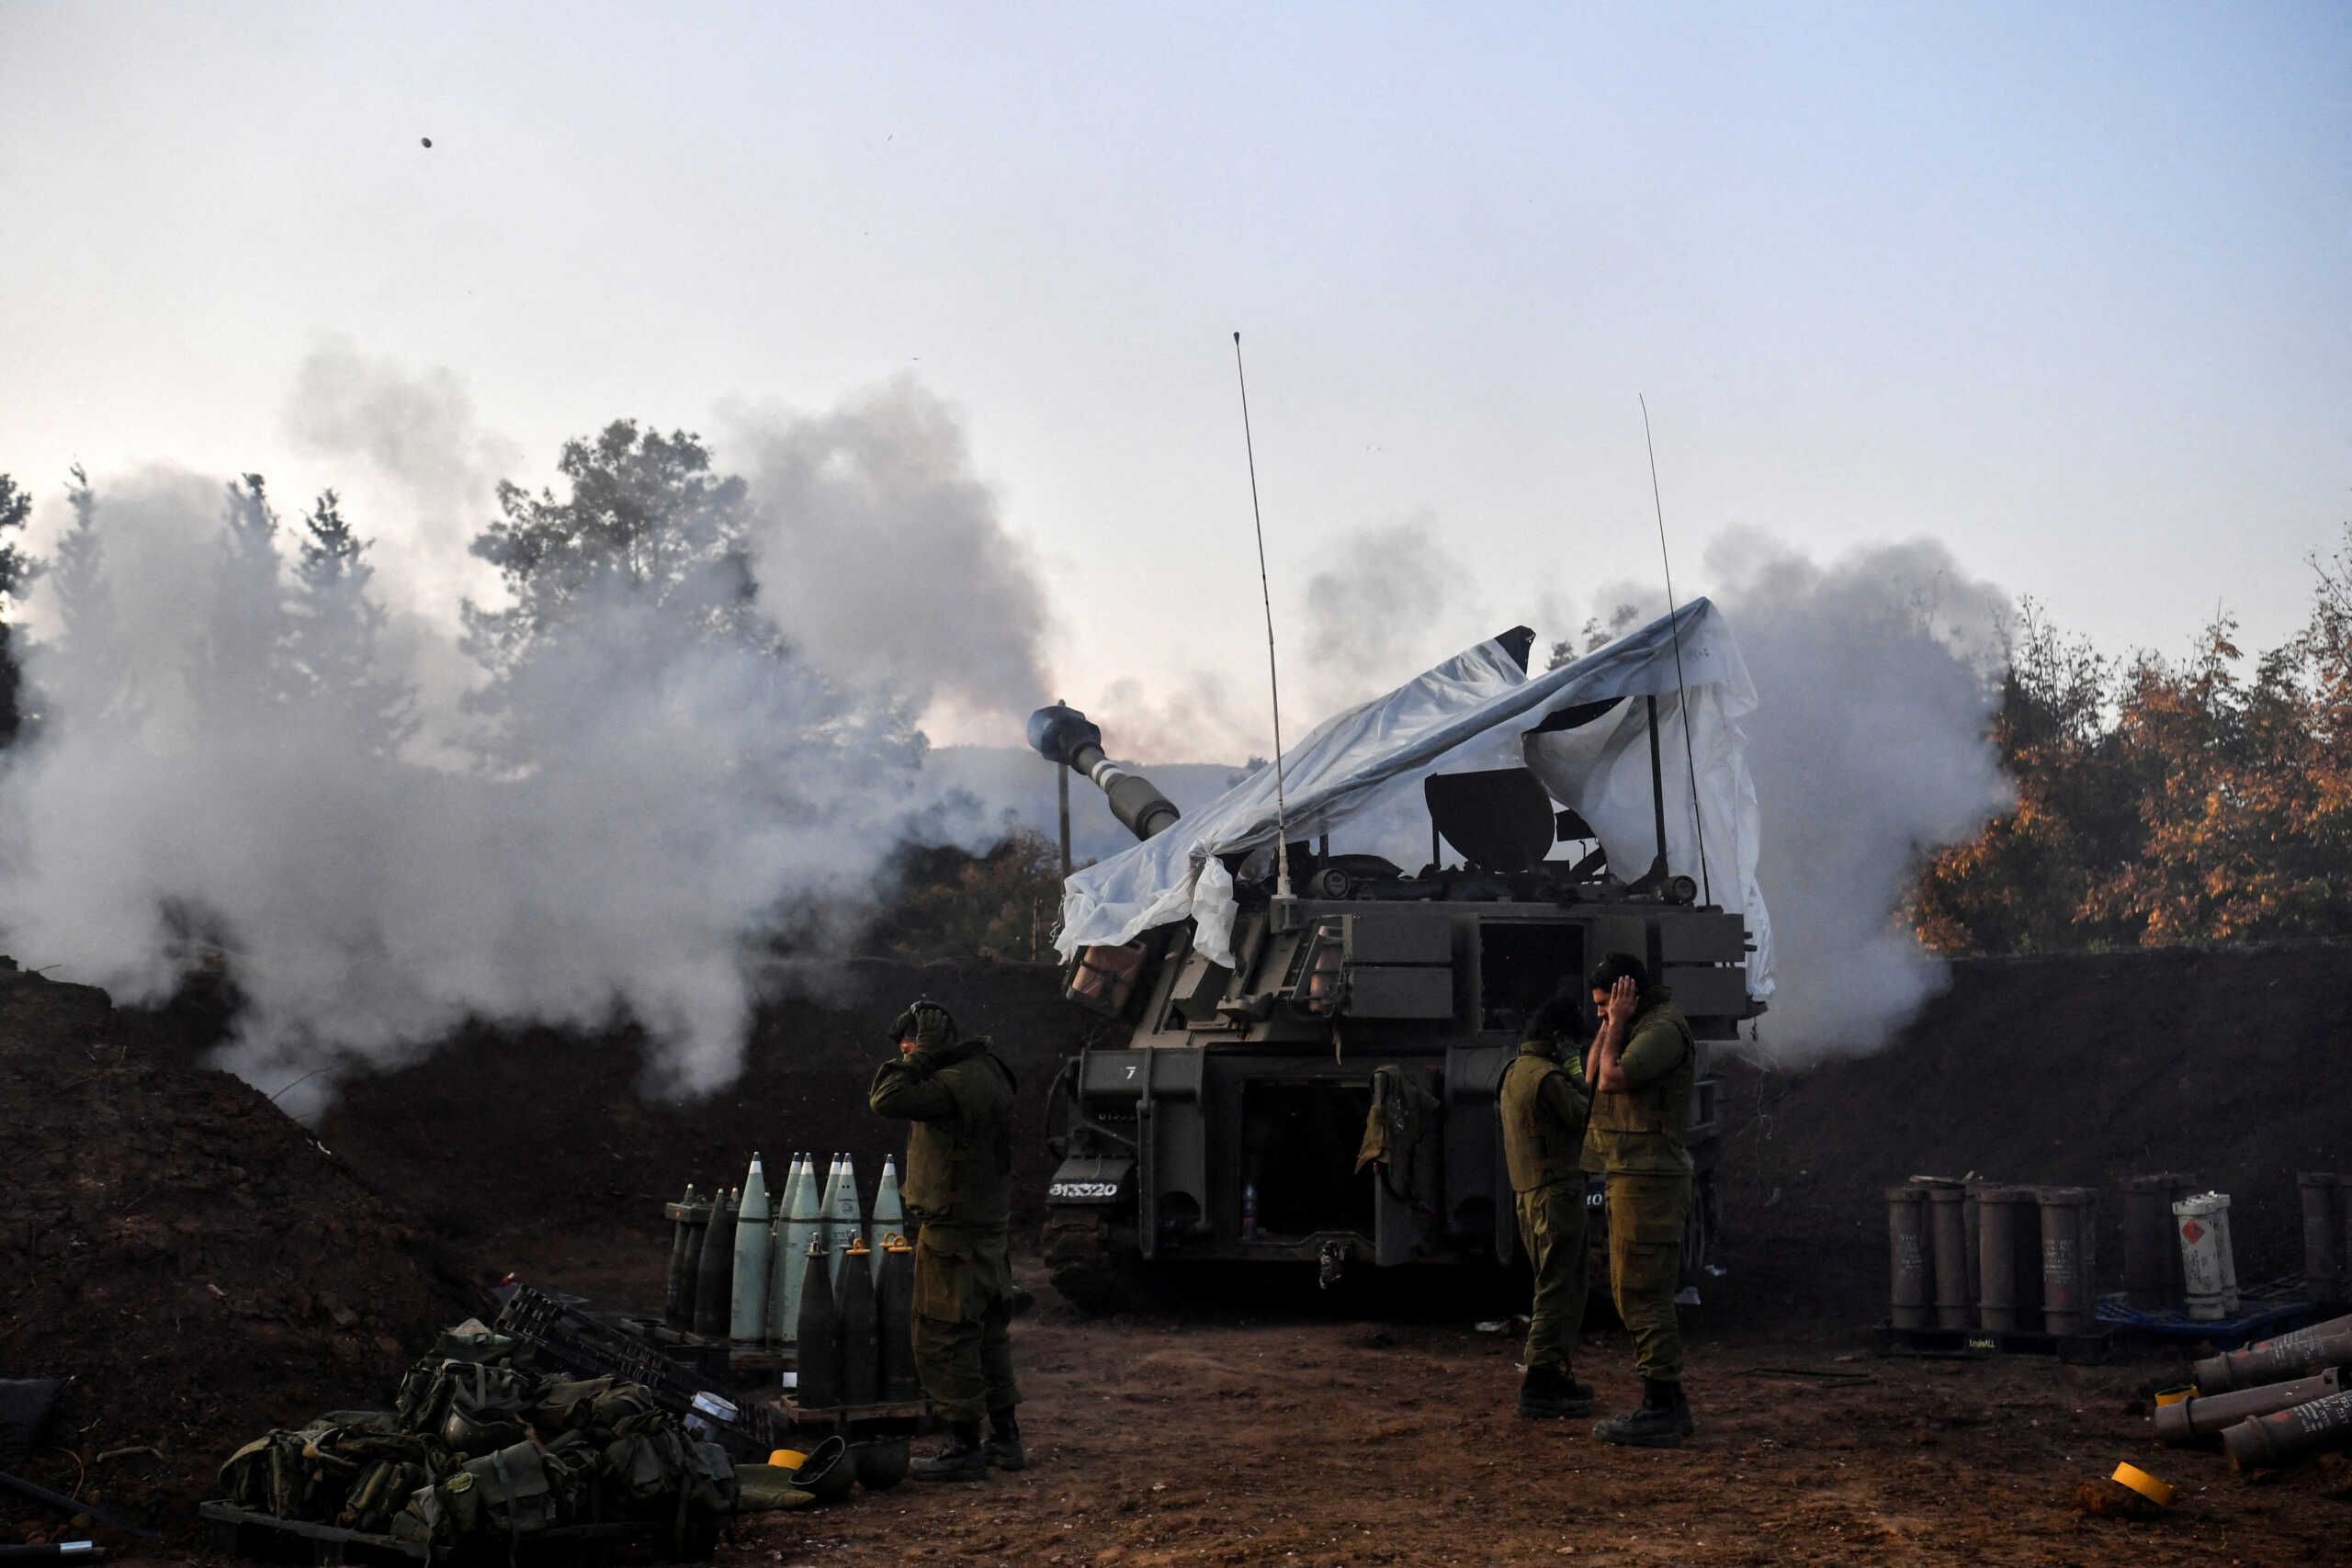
(1066, 735)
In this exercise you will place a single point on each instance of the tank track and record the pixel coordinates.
(1085, 1262)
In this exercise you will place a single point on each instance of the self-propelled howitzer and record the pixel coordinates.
(1225, 1111)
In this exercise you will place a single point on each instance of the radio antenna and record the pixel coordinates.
(1681, 691)
(1274, 682)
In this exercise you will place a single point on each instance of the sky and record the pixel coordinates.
(2066, 289)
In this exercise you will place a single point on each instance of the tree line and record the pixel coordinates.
(639, 557)
(2163, 802)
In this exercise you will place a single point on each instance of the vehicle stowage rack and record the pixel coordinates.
(1970, 1343)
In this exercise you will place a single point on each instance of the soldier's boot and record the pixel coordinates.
(1550, 1393)
(1003, 1446)
(1682, 1411)
(961, 1459)
(1656, 1425)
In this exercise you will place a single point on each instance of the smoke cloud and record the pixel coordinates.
(1876, 678)
(1380, 613)
(226, 764)
(884, 557)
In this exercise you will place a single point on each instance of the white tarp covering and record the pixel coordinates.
(1477, 711)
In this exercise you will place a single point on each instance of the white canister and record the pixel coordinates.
(2202, 1222)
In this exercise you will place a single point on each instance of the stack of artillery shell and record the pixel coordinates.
(689, 1219)
(795, 1226)
(894, 1302)
(714, 1271)
(843, 1223)
(860, 1357)
(819, 1333)
(747, 1312)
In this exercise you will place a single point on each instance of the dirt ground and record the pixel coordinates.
(1318, 1444)
(205, 1267)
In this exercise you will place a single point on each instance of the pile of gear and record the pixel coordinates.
(482, 1445)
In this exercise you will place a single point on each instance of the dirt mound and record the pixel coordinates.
(2235, 1066)
(197, 1263)
(538, 1151)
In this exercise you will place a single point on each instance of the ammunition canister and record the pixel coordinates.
(2207, 1263)
(860, 1355)
(2323, 1195)
(819, 1333)
(1908, 1257)
(2008, 1235)
(716, 1273)
(2067, 1259)
(2326, 1330)
(2289, 1356)
(2152, 1276)
(2191, 1419)
(2266, 1441)
(1948, 1239)
(1972, 1221)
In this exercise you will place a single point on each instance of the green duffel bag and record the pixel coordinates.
(287, 1474)
(565, 1405)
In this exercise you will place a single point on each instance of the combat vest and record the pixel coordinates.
(959, 1167)
(1641, 1130)
(1538, 1147)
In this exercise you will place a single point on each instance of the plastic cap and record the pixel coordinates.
(2147, 1485)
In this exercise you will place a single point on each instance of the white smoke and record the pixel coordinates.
(650, 805)
(884, 559)
(1385, 608)
(1876, 678)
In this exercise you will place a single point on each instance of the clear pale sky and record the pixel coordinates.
(2066, 288)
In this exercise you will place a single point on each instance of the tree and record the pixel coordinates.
(335, 630)
(17, 571)
(645, 522)
(1003, 903)
(2163, 802)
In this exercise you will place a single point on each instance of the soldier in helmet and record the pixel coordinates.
(959, 1189)
(1543, 1110)
(1641, 1066)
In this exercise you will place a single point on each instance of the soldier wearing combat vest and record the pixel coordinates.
(1543, 1109)
(959, 1189)
(1641, 1067)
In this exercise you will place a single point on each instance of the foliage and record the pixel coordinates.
(645, 522)
(16, 570)
(1004, 903)
(2163, 802)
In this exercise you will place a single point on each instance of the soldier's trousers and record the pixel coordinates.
(1647, 1212)
(1551, 1227)
(962, 1323)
